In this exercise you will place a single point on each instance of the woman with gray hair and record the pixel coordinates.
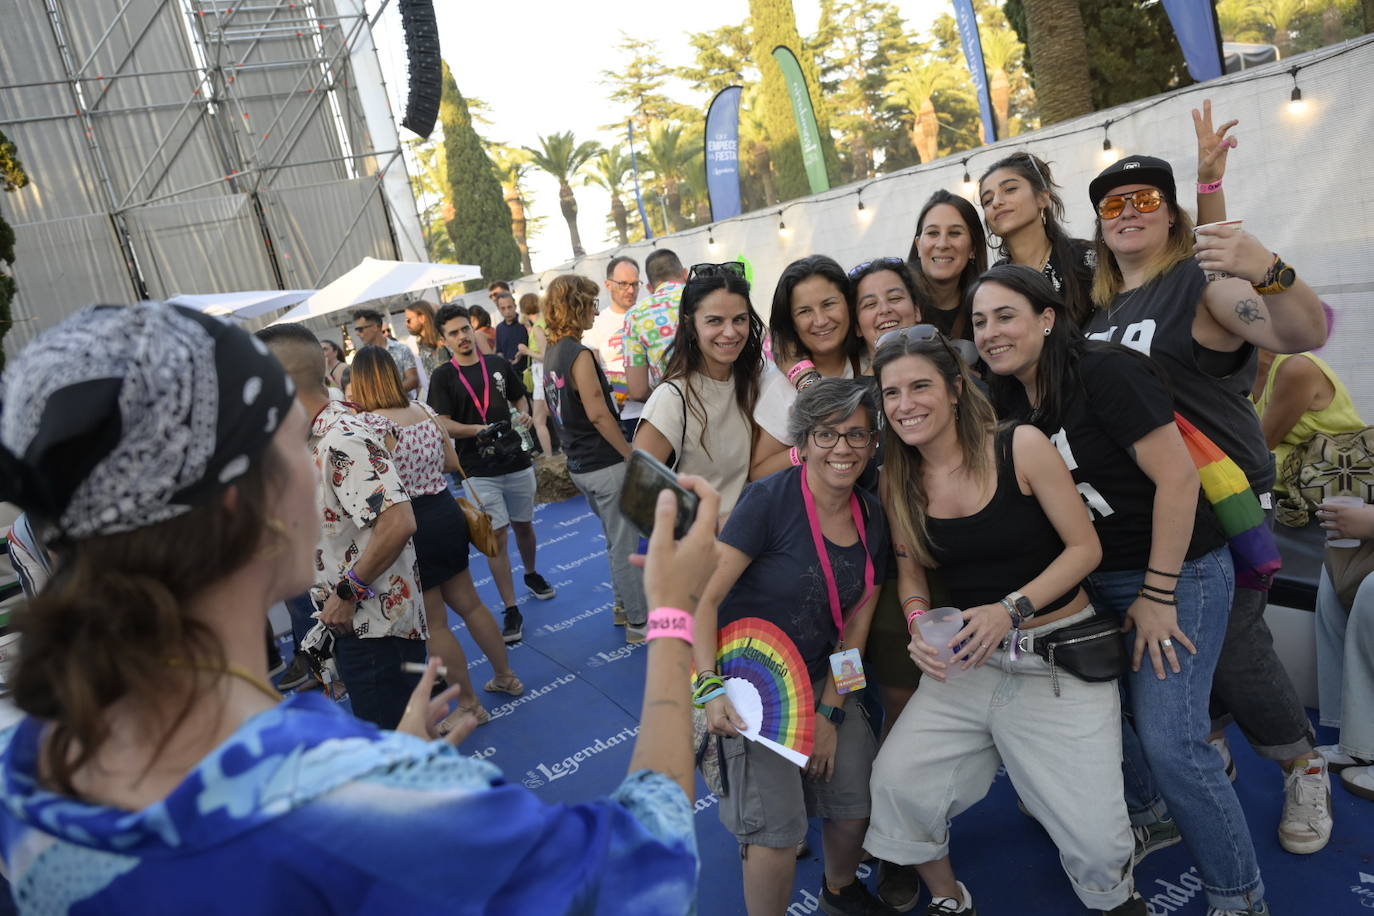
(802, 550)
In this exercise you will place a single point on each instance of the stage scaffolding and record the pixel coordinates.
(195, 146)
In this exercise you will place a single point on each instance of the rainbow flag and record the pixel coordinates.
(1237, 507)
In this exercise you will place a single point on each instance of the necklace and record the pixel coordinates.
(233, 671)
(1121, 303)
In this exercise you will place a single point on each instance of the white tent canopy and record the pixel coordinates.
(377, 279)
(244, 304)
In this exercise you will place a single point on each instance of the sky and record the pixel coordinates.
(538, 63)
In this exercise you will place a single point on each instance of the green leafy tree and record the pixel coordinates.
(1058, 45)
(610, 171)
(758, 185)
(637, 85)
(914, 89)
(669, 155)
(480, 224)
(12, 177)
(563, 157)
(774, 23)
(512, 165)
(722, 59)
(429, 183)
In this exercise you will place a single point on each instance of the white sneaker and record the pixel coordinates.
(1359, 781)
(1306, 823)
(1224, 750)
(1337, 759)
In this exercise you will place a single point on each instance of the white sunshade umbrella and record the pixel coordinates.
(377, 279)
(244, 304)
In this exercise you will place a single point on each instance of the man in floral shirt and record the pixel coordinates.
(365, 577)
(651, 324)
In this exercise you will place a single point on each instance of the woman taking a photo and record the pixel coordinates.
(947, 255)
(700, 417)
(813, 338)
(1154, 296)
(996, 510)
(1165, 571)
(422, 453)
(770, 566)
(180, 773)
(579, 396)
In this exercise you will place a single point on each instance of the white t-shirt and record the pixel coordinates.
(776, 397)
(607, 337)
(728, 436)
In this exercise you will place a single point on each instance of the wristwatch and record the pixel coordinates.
(1280, 278)
(834, 713)
(1020, 609)
(346, 590)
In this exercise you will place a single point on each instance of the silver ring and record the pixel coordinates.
(1166, 643)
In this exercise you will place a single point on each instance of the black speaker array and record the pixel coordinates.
(426, 67)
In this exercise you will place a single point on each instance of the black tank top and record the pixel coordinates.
(1000, 548)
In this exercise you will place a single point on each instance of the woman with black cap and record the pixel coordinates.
(163, 455)
(1200, 310)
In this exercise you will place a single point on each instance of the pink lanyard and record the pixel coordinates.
(485, 403)
(836, 611)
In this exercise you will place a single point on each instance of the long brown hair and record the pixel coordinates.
(376, 380)
(975, 423)
(566, 303)
(107, 625)
(1107, 279)
(429, 334)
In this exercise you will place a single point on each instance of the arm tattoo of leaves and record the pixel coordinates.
(1248, 311)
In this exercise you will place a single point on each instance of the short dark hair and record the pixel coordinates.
(617, 261)
(786, 341)
(448, 313)
(661, 266)
(479, 316)
(370, 315)
(499, 284)
(287, 333)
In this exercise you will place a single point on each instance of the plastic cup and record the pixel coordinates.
(1333, 501)
(938, 626)
(1216, 274)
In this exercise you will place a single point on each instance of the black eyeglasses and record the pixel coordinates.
(829, 438)
(884, 262)
(728, 268)
(961, 350)
(361, 328)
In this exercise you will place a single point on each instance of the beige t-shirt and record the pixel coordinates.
(724, 459)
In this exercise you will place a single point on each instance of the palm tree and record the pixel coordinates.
(754, 138)
(695, 178)
(1002, 52)
(512, 165)
(1280, 14)
(609, 172)
(914, 89)
(563, 157)
(1059, 53)
(669, 155)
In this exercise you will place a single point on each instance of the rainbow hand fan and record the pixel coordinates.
(769, 687)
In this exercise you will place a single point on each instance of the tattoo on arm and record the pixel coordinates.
(1248, 311)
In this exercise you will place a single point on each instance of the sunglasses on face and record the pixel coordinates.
(885, 262)
(727, 268)
(829, 438)
(1146, 200)
(360, 328)
(962, 351)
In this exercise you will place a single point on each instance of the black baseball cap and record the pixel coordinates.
(1149, 170)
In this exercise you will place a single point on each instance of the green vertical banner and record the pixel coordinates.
(807, 128)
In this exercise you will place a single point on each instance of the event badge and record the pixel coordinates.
(848, 669)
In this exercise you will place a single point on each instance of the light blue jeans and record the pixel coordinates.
(1345, 665)
(1168, 765)
(602, 489)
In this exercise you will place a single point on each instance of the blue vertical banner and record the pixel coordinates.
(973, 53)
(639, 198)
(722, 154)
(1199, 35)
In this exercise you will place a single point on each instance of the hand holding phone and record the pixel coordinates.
(645, 477)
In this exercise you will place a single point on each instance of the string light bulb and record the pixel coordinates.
(1296, 103)
(865, 214)
(782, 227)
(1109, 154)
(968, 186)
(710, 236)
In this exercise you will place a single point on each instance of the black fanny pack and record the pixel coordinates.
(1094, 650)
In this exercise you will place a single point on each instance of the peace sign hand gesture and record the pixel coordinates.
(1212, 145)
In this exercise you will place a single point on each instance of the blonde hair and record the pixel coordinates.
(376, 380)
(569, 298)
(1107, 279)
(974, 420)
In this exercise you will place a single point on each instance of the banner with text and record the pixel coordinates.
(722, 154)
(973, 53)
(1195, 24)
(807, 129)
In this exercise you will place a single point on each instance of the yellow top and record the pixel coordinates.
(1340, 416)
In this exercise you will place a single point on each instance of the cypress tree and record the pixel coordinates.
(481, 223)
(12, 177)
(774, 23)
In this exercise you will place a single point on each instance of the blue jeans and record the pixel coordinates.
(300, 609)
(1166, 758)
(1345, 664)
(370, 668)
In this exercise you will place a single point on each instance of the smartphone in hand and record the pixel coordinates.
(644, 478)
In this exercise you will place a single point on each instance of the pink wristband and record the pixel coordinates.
(1209, 188)
(670, 621)
(796, 371)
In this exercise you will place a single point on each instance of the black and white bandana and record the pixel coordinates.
(121, 417)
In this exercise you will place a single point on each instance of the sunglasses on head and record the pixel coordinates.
(961, 351)
(884, 262)
(725, 269)
(1146, 200)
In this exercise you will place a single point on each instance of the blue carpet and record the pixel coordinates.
(569, 739)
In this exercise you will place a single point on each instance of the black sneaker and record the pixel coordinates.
(298, 675)
(513, 629)
(542, 589)
(899, 886)
(1135, 906)
(854, 900)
